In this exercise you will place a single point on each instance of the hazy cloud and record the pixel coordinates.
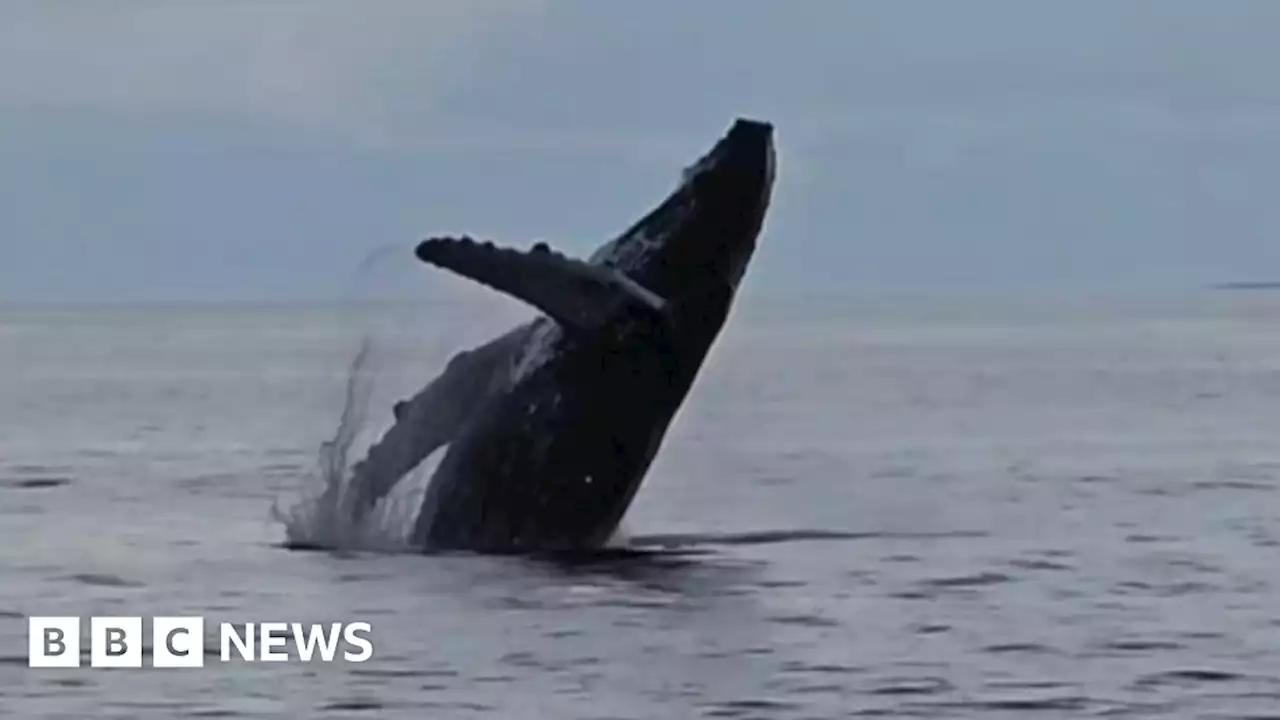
(358, 68)
(234, 148)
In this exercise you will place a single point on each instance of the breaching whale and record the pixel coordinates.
(549, 429)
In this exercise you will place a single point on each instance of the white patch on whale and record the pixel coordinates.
(539, 350)
(633, 249)
(628, 251)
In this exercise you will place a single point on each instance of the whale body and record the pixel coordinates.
(548, 430)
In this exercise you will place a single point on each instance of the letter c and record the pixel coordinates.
(168, 642)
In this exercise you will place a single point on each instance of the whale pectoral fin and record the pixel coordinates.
(430, 419)
(576, 294)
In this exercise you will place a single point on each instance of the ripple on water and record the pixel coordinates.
(793, 666)
(384, 673)
(354, 705)
(1141, 645)
(282, 468)
(562, 633)
(207, 480)
(69, 682)
(749, 708)
(287, 452)
(1188, 677)
(965, 581)
(166, 706)
(103, 580)
(804, 620)
(770, 537)
(35, 483)
(1041, 564)
(1253, 485)
(1164, 590)
(1063, 703)
(930, 588)
(901, 558)
(35, 469)
(1025, 684)
(910, 686)
(1148, 539)
(1027, 648)
(521, 659)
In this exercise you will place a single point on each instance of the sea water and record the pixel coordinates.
(887, 508)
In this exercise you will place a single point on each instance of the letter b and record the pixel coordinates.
(53, 641)
(115, 642)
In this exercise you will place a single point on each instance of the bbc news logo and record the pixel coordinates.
(179, 642)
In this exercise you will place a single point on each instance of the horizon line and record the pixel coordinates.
(336, 303)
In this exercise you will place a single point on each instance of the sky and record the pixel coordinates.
(259, 150)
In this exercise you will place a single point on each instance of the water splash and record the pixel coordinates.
(322, 516)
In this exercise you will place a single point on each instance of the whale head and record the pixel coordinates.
(729, 190)
(703, 235)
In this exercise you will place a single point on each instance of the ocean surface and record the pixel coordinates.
(900, 509)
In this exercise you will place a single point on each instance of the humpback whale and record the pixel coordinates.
(549, 429)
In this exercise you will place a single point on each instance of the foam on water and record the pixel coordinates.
(322, 517)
